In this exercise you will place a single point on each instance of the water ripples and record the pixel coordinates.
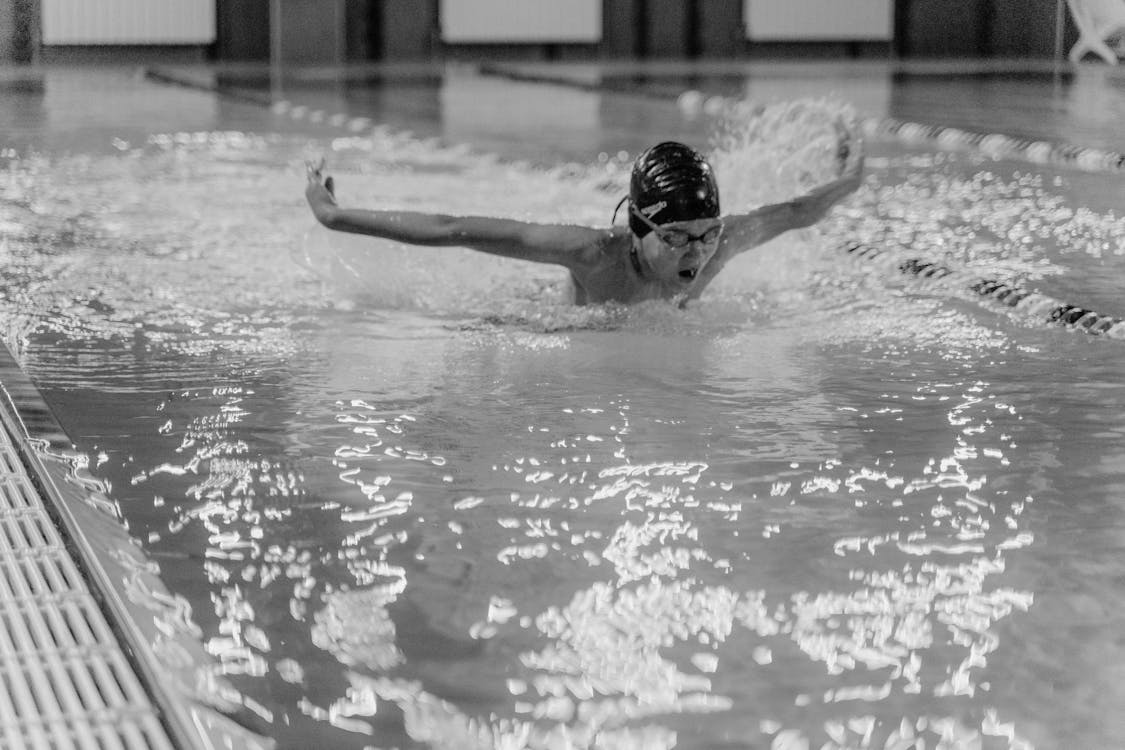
(804, 513)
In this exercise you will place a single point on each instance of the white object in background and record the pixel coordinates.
(128, 21)
(818, 20)
(469, 21)
(1098, 22)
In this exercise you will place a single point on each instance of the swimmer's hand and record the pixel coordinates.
(811, 207)
(849, 149)
(320, 190)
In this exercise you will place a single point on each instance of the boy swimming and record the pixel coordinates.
(675, 243)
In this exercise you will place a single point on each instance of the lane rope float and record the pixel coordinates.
(992, 144)
(1026, 301)
(999, 144)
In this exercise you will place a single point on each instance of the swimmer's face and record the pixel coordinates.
(677, 251)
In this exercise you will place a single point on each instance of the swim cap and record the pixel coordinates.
(672, 182)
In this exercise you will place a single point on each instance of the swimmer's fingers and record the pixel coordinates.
(847, 126)
(851, 156)
(847, 140)
(853, 172)
(314, 170)
(320, 188)
(858, 154)
(317, 177)
(857, 167)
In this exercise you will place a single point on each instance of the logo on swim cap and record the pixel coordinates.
(672, 182)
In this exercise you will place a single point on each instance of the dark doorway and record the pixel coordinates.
(243, 30)
(978, 28)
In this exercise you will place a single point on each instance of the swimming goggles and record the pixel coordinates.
(678, 237)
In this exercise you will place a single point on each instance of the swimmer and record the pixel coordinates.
(675, 243)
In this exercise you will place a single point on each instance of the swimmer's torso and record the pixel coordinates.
(606, 274)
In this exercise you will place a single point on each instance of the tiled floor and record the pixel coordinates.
(67, 682)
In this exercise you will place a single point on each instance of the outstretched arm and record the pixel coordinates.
(544, 243)
(745, 231)
(749, 230)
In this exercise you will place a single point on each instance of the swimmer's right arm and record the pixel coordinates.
(564, 245)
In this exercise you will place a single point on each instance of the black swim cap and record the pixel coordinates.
(672, 182)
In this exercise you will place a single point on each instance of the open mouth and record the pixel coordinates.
(688, 274)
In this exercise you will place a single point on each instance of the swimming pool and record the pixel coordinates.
(413, 499)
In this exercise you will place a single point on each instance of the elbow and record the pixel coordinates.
(447, 230)
(442, 231)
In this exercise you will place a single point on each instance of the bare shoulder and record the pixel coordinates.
(586, 247)
(571, 236)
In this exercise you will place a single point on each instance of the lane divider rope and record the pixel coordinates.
(999, 144)
(354, 125)
(1029, 302)
(993, 144)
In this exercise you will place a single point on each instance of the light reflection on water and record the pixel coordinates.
(823, 509)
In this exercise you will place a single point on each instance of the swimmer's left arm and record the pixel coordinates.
(745, 231)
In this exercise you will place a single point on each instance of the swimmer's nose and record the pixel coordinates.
(697, 250)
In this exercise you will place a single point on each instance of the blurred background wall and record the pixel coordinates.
(338, 31)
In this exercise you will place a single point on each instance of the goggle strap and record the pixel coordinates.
(617, 208)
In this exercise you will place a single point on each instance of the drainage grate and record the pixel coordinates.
(64, 680)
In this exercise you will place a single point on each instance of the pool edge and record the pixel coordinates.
(116, 578)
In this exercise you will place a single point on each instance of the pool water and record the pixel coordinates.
(412, 498)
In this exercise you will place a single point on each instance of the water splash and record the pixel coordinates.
(764, 155)
(769, 154)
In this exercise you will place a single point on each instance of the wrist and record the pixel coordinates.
(325, 213)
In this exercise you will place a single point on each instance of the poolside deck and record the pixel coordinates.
(67, 680)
